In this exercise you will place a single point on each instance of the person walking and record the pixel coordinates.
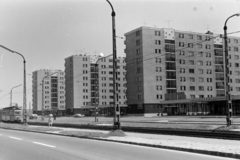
(50, 120)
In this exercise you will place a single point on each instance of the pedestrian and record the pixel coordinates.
(50, 120)
(54, 116)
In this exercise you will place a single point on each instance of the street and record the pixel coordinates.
(29, 145)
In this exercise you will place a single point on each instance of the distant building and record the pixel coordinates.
(81, 93)
(179, 72)
(53, 92)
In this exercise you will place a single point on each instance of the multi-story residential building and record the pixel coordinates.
(169, 71)
(51, 92)
(89, 82)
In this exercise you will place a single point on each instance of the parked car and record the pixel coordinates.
(33, 116)
(77, 115)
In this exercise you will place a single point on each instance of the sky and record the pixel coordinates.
(48, 31)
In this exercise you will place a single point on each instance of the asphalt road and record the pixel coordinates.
(15, 145)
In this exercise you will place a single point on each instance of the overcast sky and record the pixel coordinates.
(48, 31)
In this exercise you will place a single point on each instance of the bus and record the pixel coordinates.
(11, 114)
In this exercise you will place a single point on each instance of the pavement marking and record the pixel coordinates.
(15, 138)
(44, 144)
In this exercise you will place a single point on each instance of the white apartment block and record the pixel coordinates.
(51, 92)
(82, 90)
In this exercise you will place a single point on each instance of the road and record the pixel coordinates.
(36, 146)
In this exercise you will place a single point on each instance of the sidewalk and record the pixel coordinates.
(218, 147)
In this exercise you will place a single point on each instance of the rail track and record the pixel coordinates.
(232, 135)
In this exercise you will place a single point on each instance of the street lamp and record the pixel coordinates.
(24, 84)
(11, 94)
(96, 86)
(43, 90)
(116, 119)
(227, 86)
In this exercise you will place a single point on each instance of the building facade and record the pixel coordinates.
(89, 83)
(48, 97)
(163, 62)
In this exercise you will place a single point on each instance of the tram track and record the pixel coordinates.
(231, 135)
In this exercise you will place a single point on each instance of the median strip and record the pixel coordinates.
(44, 144)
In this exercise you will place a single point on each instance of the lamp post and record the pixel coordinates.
(227, 86)
(11, 94)
(96, 87)
(24, 85)
(43, 92)
(116, 119)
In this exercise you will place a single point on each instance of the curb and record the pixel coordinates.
(213, 153)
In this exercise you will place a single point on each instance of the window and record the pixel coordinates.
(192, 88)
(85, 59)
(138, 51)
(139, 88)
(192, 96)
(182, 61)
(199, 37)
(182, 79)
(235, 49)
(237, 89)
(138, 69)
(157, 33)
(208, 63)
(201, 79)
(201, 88)
(139, 97)
(237, 65)
(157, 50)
(236, 57)
(159, 96)
(190, 53)
(181, 44)
(191, 70)
(229, 48)
(159, 87)
(208, 46)
(182, 70)
(158, 78)
(208, 54)
(209, 79)
(183, 88)
(237, 73)
(207, 38)
(191, 62)
(237, 80)
(190, 45)
(235, 41)
(138, 42)
(191, 79)
(137, 33)
(209, 88)
(199, 46)
(158, 69)
(200, 71)
(181, 53)
(181, 35)
(200, 63)
(84, 65)
(190, 36)
(200, 54)
(157, 42)
(158, 60)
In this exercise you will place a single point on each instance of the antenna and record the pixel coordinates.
(168, 22)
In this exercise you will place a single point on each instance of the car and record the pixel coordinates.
(77, 115)
(33, 116)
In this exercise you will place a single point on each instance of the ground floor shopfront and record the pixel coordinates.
(201, 106)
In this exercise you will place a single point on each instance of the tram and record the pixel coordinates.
(11, 114)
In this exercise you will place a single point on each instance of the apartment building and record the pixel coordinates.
(169, 70)
(89, 82)
(48, 92)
